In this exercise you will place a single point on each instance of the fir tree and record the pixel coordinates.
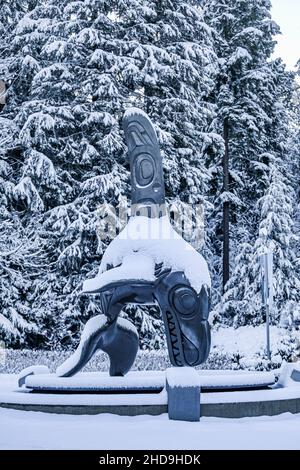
(250, 95)
(242, 304)
(17, 274)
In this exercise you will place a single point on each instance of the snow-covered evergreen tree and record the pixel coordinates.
(251, 96)
(294, 142)
(70, 150)
(244, 41)
(18, 278)
(176, 68)
(242, 304)
(18, 324)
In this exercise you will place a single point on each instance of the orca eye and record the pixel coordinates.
(144, 170)
(184, 299)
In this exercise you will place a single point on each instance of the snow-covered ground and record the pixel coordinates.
(246, 345)
(33, 430)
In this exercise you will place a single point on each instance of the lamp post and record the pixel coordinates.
(267, 291)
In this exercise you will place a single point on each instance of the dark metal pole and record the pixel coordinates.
(226, 207)
(268, 331)
(267, 295)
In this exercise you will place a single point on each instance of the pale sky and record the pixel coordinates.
(287, 14)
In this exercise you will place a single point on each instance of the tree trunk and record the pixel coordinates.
(226, 206)
(2, 94)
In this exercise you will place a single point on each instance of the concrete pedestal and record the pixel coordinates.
(183, 388)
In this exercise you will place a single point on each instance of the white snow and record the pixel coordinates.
(32, 430)
(26, 190)
(176, 376)
(156, 239)
(99, 380)
(182, 377)
(26, 24)
(249, 343)
(31, 370)
(9, 393)
(135, 112)
(56, 46)
(208, 378)
(9, 133)
(127, 325)
(239, 54)
(134, 267)
(285, 374)
(232, 379)
(251, 31)
(41, 166)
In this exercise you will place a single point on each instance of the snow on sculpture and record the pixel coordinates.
(147, 263)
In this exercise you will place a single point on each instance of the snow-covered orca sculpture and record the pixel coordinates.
(147, 263)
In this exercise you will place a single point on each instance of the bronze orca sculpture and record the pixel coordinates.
(148, 263)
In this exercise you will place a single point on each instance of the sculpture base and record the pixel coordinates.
(98, 382)
(145, 382)
(222, 402)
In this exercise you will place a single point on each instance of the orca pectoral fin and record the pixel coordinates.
(91, 335)
(119, 339)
